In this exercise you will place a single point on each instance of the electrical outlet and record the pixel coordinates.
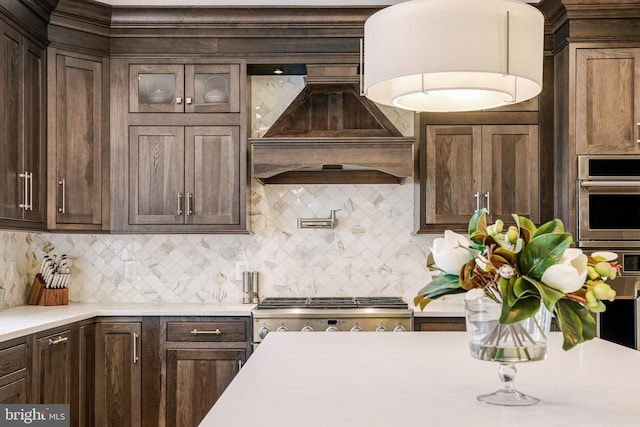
(130, 269)
(241, 267)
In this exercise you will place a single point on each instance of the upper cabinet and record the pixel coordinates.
(178, 146)
(22, 131)
(469, 167)
(177, 88)
(607, 117)
(77, 142)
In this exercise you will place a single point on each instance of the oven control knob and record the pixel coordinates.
(331, 329)
(356, 329)
(381, 329)
(400, 329)
(307, 329)
(282, 329)
(262, 332)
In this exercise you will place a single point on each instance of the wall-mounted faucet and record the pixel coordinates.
(319, 222)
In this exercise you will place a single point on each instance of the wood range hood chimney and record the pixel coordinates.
(330, 134)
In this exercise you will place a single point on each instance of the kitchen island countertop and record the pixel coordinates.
(28, 319)
(423, 379)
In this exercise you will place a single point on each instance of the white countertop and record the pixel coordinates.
(423, 379)
(28, 319)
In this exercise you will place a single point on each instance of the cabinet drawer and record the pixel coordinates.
(206, 331)
(13, 359)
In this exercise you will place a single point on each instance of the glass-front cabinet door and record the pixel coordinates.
(156, 88)
(193, 88)
(212, 88)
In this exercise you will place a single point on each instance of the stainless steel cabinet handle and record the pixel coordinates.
(135, 348)
(28, 191)
(487, 202)
(178, 100)
(239, 364)
(197, 332)
(63, 183)
(58, 340)
(638, 130)
(179, 198)
(477, 197)
(608, 184)
(189, 204)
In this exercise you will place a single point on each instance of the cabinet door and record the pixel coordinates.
(78, 96)
(156, 88)
(156, 175)
(11, 136)
(454, 174)
(14, 392)
(118, 375)
(195, 380)
(212, 88)
(35, 150)
(213, 171)
(607, 101)
(52, 369)
(510, 172)
(86, 376)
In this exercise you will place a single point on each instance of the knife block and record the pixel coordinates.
(41, 296)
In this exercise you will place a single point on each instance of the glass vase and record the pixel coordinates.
(490, 340)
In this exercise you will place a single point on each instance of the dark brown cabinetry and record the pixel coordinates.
(442, 324)
(184, 175)
(469, 167)
(22, 127)
(118, 374)
(77, 141)
(52, 368)
(202, 357)
(607, 114)
(13, 372)
(86, 374)
(177, 88)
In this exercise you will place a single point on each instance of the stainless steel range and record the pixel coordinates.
(329, 314)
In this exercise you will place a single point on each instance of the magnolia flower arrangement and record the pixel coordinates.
(520, 267)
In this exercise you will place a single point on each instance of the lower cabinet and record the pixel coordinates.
(13, 372)
(52, 368)
(201, 358)
(118, 374)
(443, 324)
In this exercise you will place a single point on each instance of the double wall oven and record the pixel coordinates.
(608, 217)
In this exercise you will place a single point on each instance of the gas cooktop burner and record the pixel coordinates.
(332, 302)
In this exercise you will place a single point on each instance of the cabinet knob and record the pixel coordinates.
(187, 101)
(178, 100)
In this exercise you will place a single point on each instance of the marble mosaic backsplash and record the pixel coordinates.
(371, 252)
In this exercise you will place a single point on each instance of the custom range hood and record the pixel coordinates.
(332, 135)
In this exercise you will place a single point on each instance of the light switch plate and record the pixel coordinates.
(130, 269)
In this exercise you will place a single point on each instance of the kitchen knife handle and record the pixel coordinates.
(487, 202)
(189, 203)
(197, 332)
(58, 340)
(63, 183)
(477, 197)
(179, 199)
(135, 348)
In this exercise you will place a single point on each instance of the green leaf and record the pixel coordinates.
(523, 309)
(542, 252)
(441, 284)
(523, 287)
(575, 322)
(478, 222)
(554, 226)
(548, 295)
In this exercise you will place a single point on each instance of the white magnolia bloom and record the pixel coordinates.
(448, 254)
(506, 271)
(569, 274)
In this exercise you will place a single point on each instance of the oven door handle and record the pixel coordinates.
(602, 184)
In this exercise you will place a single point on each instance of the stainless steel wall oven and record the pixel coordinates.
(608, 208)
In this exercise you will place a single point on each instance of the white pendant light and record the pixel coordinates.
(453, 55)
